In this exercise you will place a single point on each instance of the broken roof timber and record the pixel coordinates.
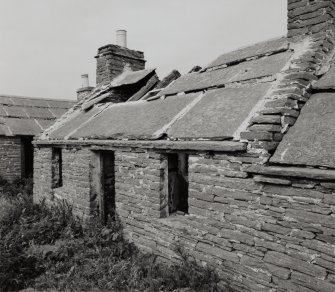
(219, 146)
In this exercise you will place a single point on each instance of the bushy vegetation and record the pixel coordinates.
(46, 247)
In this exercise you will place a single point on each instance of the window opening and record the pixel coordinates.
(178, 182)
(108, 187)
(57, 168)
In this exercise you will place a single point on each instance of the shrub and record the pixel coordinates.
(22, 224)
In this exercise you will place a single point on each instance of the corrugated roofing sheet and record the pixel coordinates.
(26, 116)
(311, 140)
(134, 120)
(219, 113)
(262, 67)
(267, 47)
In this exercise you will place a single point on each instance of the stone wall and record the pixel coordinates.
(258, 232)
(76, 179)
(258, 236)
(10, 158)
(309, 16)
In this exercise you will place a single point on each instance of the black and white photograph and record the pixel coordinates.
(167, 146)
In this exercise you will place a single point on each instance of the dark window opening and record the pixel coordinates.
(108, 187)
(57, 168)
(178, 182)
(27, 160)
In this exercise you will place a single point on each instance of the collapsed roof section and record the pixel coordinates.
(29, 116)
(125, 86)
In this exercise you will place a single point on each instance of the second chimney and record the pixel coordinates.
(85, 89)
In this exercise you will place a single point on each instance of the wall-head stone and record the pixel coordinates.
(307, 17)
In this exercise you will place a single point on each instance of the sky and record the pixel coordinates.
(45, 45)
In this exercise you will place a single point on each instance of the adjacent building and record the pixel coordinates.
(21, 119)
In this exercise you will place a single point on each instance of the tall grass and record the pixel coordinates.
(46, 247)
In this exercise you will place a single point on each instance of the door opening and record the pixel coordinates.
(27, 157)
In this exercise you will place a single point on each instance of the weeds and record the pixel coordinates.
(46, 247)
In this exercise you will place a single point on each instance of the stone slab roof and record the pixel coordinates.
(260, 49)
(252, 95)
(29, 116)
(224, 95)
(219, 113)
(311, 140)
(246, 70)
(131, 77)
(134, 120)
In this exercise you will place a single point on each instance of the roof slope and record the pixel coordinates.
(253, 95)
(222, 101)
(311, 140)
(29, 116)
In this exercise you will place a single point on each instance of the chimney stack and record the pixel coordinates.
(112, 59)
(85, 89)
(306, 17)
(121, 38)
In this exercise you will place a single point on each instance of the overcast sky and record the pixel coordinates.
(45, 45)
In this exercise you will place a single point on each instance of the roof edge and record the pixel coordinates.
(219, 146)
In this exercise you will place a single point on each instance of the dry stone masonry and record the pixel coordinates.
(234, 162)
(10, 157)
(111, 60)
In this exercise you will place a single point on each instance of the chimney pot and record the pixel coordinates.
(84, 81)
(121, 38)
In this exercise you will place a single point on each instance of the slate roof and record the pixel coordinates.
(311, 140)
(220, 99)
(29, 116)
(253, 95)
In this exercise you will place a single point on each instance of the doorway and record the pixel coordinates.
(27, 157)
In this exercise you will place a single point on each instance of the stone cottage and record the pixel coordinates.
(21, 119)
(235, 161)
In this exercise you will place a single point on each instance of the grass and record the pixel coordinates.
(47, 248)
